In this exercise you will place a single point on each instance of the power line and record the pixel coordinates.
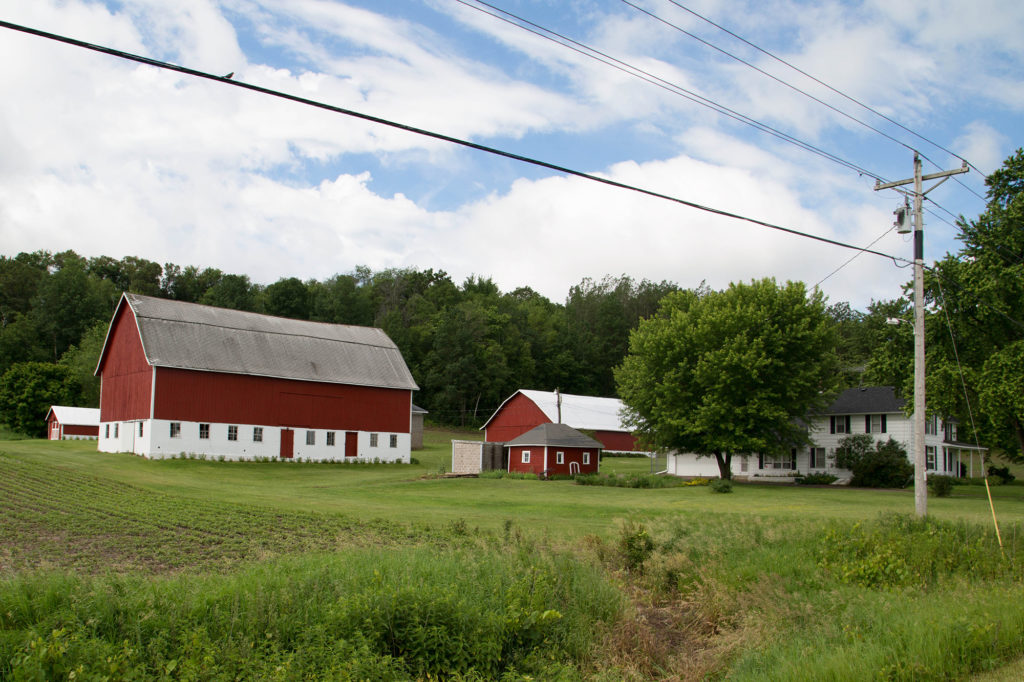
(826, 85)
(853, 257)
(637, 72)
(431, 134)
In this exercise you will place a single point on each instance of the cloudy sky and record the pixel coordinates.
(110, 157)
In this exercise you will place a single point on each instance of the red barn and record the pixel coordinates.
(526, 409)
(187, 378)
(551, 449)
(72, 423)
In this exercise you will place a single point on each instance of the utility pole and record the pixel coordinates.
(920, 414)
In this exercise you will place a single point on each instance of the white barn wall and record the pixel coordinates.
(156, 442)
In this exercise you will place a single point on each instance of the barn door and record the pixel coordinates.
(287, 443)
(351, 443)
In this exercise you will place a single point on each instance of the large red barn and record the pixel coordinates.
(526, 409)
(187, 378)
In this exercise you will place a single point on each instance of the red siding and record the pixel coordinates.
(617, 440)
(571, 455)
(536, 463)
(127, 377)
(241, 399)
(52, 428)
(516, 417)
(80, 430)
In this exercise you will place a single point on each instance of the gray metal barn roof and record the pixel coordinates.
(556, 435)
(203, 338)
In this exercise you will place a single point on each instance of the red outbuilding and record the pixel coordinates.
(526, 409)
(72, 423)
(551, 449)
(182, 378)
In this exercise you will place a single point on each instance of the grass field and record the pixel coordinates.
(768, 582)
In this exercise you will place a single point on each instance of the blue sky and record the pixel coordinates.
(110, 157)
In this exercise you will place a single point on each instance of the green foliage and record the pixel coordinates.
(898, 550)
(28, 389)
(633, 480)
(635, 545)
(721, 485)
(881, 464)
(718, 373)
(367, 614)
(817, 479)
(1002, 473)
(941, 486)
(81, 360)
(515, 475)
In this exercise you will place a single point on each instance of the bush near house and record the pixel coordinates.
(874, 465)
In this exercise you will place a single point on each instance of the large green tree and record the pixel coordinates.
(720, 373)
(28, 389)
(977, 301)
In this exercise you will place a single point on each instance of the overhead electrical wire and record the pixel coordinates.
(225, 80)
(635, 71)
(853, 257)
(825, 85)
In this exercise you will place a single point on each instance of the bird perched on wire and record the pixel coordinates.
(230, 75)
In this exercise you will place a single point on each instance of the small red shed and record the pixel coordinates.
(554, 449)
(525, 409)
(72, 423)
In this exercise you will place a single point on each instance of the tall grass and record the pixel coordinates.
(368, 614)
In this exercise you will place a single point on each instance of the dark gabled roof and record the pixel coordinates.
(867, 400)
(207, 339)
(416, 409)
(558, 435)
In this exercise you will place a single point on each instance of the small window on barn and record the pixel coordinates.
(257, 434)
(108, 431)
(204, 431)
(373, 440)
(586, 458)
(116, 429)
(175, 429)
(559, 458)
(310, 437)
(232, 432)
(526, 456)
(330, 437)
(393, 440)
(140, 429)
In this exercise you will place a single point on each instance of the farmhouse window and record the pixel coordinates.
(175, 429)
(950, 428)
(204, 431)
(393, 440)
(840, 423)
(232, 433)
(330, 437)
(817, 458)
(586, 458)
(373, 440)
(931, 425)
(559, 458)
(874, 423)
(140, 429)
(257, 434)
(108, 431)
(526, 456)
(929, 456)
(310, 437)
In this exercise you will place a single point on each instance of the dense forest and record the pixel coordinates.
(469, 345)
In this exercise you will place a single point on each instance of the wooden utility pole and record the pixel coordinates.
(920, 407)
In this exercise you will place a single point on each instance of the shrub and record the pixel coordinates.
(874, 465)
(635, 545)
(941, 486)
(721, 485)
(817, 479)
(1002, 473)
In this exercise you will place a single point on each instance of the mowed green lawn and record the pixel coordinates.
(416, 493)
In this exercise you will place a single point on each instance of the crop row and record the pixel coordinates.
(65, 519)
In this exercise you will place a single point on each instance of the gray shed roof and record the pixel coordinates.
(867, 400)
(559, 435)
(207, 339)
